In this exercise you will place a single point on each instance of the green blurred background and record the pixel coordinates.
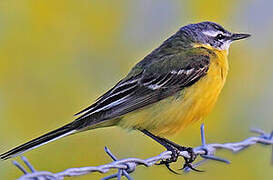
(57, 57)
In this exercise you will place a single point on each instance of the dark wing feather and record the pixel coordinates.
(145, 88)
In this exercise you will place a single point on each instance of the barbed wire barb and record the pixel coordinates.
(128, 165)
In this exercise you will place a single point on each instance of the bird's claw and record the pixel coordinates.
(173, 158)
(189, 165)
(170, 169)
(190, 160)
(191, 154)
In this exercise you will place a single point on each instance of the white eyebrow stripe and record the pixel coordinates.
(212, 33)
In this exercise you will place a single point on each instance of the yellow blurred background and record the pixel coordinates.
(57, 57)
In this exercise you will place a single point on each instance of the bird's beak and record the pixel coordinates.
(235, 36)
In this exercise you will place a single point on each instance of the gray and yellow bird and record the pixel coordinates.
(175, 85)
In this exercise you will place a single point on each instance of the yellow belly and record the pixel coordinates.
(171, 115)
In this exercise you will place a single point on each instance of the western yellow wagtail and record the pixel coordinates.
(175, 85)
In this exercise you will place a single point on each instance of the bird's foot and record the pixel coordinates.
(176, 150)
(190, 160)
(174, 156)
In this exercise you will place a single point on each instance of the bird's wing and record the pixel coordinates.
(147, 85)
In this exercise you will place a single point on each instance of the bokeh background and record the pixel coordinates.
(57, 57)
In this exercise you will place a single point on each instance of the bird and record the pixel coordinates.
(175, 85)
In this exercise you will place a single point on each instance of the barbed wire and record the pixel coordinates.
(128, 165)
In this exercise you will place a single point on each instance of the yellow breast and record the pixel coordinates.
(172, 114)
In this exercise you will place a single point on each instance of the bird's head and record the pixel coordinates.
(212, 34)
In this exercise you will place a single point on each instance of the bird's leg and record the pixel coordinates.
(174, 148)
(168, 146)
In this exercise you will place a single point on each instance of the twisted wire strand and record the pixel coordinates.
(128, 165)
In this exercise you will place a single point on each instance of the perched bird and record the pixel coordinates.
(175, 85)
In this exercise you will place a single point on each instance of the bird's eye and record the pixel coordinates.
(220, 36)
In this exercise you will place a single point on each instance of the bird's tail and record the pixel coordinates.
(44, 139)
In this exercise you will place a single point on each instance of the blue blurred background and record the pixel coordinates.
(57, 57)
